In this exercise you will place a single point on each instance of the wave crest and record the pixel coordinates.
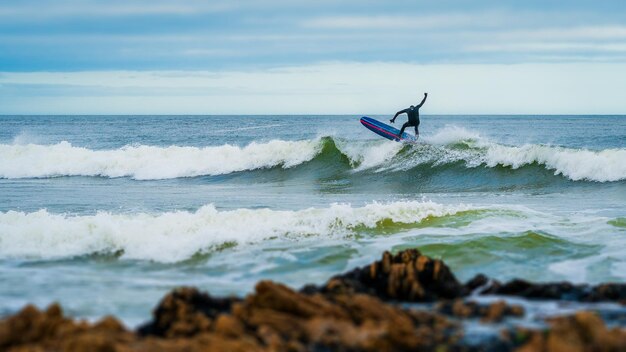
(451, 145)
(575, 164)
(149, 162)
(177, 236)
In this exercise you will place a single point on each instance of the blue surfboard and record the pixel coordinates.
(384, 130)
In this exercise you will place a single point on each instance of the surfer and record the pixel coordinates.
(413, 113)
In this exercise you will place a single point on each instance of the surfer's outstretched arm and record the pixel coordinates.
(423, 100)
(398, 113)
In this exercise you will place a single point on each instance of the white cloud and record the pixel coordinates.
(354, 88)
(113, 8)
(405, 21)
(602, 32)
(551, 47)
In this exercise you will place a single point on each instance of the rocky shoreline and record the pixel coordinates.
(402, 302)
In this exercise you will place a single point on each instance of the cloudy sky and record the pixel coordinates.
(292, 57)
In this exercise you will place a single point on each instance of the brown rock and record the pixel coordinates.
(285, 318)
(32, 329)
(495, 312)
(229, 326)
(32, 325)
(406, 276)
(202, 343)
(185, 312)
(583, 331)
(491, 313)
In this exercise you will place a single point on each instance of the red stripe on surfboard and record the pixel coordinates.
(380, 129)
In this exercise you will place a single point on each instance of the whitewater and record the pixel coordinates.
(446, 146)
(176, 236)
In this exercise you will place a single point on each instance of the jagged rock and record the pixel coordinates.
(32, 329)
(479, 281)
(406, 276)
(553, 290)
(494, 312)
(339, 321)
(583, 331)
(276, 317)
(185, 312)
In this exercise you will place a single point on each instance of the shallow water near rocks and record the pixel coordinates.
(107, 213)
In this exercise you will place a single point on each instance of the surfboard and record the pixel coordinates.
(384, 130)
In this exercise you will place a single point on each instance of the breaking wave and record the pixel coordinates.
(450, 145)
(177, 236)
(149, 162)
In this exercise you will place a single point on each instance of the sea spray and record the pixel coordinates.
(576, 164)
(176, 236)
(448, 146)
(149, 162)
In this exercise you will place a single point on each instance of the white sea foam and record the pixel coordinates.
(575, 164)
(366, 155)
(176, 236)
(149, 162)
(451, 134)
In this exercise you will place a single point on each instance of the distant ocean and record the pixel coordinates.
(105, 214)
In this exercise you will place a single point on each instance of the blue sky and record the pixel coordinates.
(69, 56)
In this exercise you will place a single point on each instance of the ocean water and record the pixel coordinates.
(105, 214)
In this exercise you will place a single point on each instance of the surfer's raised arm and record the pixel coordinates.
(405, 111)
(423, 100)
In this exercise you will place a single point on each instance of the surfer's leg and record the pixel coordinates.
(407, 124)
(417, 132)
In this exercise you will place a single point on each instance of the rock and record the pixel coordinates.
(495, 312)
(583, 331)
(185, 312)
(291, 319)
(412, 277)
(479, 281)
(554, 290)
(32, 329)
(491, 313)
(276, 317)
(348, 313)
(406, 276)
(608, 292)
(30, 325)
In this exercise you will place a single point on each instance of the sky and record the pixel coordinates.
(312, 57)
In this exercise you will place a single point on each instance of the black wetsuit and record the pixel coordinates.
(414, 117)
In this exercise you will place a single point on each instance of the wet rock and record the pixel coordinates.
(340, 321)
(478, 282)
(491, 313)
(32, 329)
(30, 325)
(583, 331)
(608, 292)
(406, 276)
(276, 317)
(527, 289)
(185, 312)
(412, 277)
(554, 290)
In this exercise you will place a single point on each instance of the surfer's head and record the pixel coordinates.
(412, 107)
